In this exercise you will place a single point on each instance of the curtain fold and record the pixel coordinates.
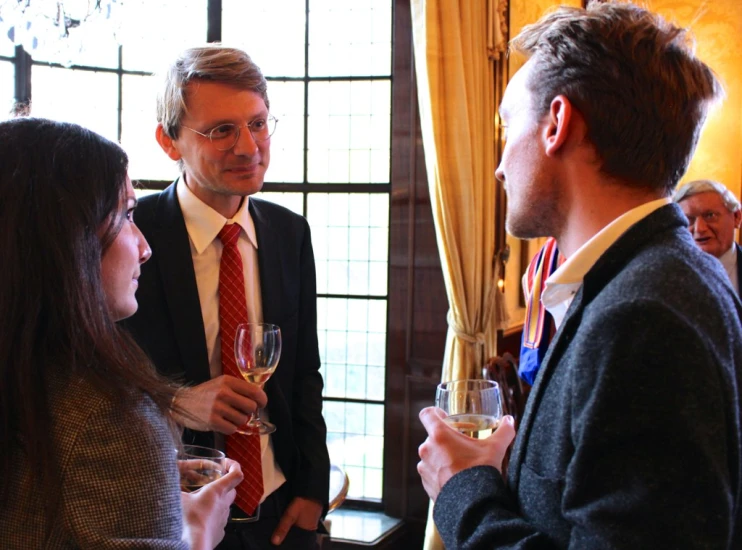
(456, 45)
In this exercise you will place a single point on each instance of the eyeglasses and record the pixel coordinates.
(708, 217)
(225, 136)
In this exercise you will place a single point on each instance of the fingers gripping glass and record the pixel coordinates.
(225, 136)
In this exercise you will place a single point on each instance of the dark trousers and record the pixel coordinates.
(257, 535)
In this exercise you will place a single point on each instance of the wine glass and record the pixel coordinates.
(199, 466)
(257, 349)
(473, 406)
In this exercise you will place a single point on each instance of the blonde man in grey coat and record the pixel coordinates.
(631, 435)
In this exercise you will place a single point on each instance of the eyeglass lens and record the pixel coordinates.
(225, 136)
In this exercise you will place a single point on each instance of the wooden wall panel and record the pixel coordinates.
(417, 298)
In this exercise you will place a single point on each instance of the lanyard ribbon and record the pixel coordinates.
(536, 329)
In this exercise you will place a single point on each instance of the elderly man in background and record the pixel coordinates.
(713, 214)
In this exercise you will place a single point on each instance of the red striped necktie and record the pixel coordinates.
(244, 448)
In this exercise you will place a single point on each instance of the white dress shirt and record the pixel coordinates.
(729, 261)
(203, 224)
(564, 283)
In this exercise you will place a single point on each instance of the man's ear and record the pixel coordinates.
(558, 128)
(737, 218)
(167, 143)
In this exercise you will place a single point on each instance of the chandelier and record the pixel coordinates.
(59, 29)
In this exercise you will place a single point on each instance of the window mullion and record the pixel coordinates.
(22, 78)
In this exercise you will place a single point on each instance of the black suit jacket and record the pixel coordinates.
(169, 326)
(631, 435)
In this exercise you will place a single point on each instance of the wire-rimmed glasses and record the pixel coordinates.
(225, 136)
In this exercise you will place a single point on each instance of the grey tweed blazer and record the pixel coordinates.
(120, 487)
(631, 435)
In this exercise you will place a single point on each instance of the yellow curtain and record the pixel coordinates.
(456, 44)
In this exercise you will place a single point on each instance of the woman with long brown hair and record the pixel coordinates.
(88, 450)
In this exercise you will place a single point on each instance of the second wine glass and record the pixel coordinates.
(257, 349)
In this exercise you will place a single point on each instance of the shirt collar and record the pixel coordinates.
(729, 258)
(564, 283)
(203, 223)
(574, 269)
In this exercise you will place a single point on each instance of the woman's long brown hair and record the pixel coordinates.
(61, 191)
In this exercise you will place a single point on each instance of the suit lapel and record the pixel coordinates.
(553, 354)
(179, 283)
(271, 280)
(269, 265)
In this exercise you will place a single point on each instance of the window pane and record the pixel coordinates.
(353, 444)
(138, 123)
(287, 143)
(342, 128)
(7, 90)
(292, 201)
(88, 98)
(352, 347)
(350, 236)
(153, 33)
(350, 38)
(89, 45)
(272, 33)
(349, 132)
(90, 40)
(7, 47)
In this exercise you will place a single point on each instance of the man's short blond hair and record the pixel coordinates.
(214, 63)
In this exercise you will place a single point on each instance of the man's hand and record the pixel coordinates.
(222, 404)
(206, 511)
(303, 513)
(446, 452)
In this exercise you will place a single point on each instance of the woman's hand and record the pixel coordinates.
(206, 511)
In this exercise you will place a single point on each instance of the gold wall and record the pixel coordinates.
(717, 27)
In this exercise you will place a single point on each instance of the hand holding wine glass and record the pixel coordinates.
(473, 406)
(257, 349)
(199, 466)
(206, 510)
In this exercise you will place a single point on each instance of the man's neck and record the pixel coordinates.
(595, 206)
(226, 205)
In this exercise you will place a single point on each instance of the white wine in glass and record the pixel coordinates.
(473, 406)
(257, 349)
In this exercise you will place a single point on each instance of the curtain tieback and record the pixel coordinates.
(474, 339)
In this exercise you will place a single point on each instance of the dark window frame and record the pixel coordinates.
(24, 63)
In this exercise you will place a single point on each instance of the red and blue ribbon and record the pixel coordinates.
(537, 326)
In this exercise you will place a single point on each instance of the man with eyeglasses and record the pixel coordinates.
(220, 254)
(713, 214)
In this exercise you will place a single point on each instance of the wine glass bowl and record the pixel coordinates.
(199, 466)
(473, 407)
(257, 350)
